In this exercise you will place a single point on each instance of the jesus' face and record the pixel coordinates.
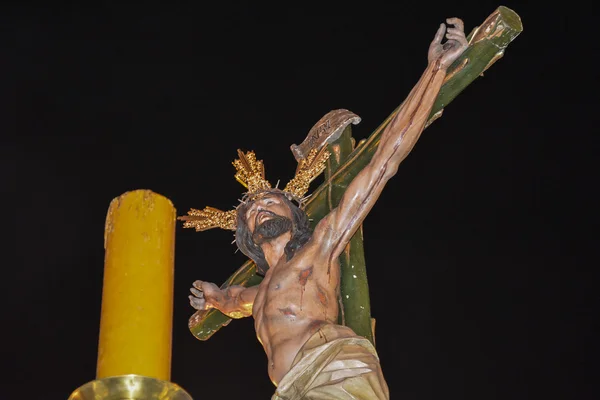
(268, 218)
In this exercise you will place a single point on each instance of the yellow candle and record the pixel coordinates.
(137, 294)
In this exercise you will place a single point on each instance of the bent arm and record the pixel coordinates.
(397, 140)
(238, 301)
(234, 301)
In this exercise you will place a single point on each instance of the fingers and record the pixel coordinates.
(457, 22)
(197, 300)
(453, 32)
(457, 32)
(198, 304)
(203, 295)
(439, 35)
(197, 293)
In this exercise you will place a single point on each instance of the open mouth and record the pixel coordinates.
(264, 215)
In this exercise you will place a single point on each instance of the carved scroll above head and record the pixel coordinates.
(325, 131)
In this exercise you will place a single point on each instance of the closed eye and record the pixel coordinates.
(271, 200)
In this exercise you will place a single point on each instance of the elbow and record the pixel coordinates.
(390, 170)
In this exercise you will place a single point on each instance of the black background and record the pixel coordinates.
(478, 251)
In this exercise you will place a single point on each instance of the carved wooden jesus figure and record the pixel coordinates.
(295, 307)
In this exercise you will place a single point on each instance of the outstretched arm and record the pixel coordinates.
(397, 140)
(235, 301)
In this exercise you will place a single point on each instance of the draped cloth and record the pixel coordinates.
(334, 364)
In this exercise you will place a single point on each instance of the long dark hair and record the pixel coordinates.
(301, 233)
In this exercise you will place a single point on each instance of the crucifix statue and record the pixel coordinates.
(295, 307)
(293, 287)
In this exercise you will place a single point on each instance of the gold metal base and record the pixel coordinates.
(129, 387)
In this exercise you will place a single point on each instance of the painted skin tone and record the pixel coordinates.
(297, 297)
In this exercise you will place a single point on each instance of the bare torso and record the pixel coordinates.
(294, 300)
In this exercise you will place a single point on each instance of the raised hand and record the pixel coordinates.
(205, 295)
(456, 43)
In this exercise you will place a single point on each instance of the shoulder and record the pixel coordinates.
(324, 236)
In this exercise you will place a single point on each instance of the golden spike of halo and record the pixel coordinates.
(209, 218)
(250, 172)
(308, 169)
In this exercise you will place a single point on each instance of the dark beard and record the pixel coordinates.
(271, 229)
